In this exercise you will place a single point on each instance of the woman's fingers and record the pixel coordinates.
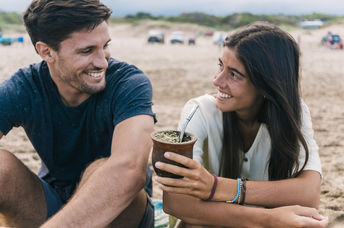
(174, 189)
(172, 181)
(309, 212)
(173, 169)
(314, 223)
(188, 162)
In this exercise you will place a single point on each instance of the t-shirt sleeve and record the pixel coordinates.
(12, 110)
(308, 133)
(133, 97)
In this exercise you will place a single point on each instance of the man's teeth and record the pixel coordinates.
(223, 95)
(95, 74)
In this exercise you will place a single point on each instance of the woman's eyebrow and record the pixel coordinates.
(238, 72)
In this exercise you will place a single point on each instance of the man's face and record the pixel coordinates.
(81, 62)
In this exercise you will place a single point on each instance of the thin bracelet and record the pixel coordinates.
(238, 202)
(212, 193)
(243, 190)
(238, 192)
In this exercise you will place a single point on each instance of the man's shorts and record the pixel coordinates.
(54, 203)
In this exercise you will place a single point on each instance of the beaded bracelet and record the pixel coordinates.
(238, 192)
(212, 193)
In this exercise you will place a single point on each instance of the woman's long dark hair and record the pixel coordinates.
(271, 59)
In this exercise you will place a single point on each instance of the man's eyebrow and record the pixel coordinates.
(237, 71)
(91, 46)
(84, 48)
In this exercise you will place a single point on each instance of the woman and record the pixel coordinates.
(256, 134)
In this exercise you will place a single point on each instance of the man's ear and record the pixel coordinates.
(46, 52)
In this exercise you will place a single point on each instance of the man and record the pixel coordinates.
(88, 116)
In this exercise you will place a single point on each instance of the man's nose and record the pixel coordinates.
(101, 59)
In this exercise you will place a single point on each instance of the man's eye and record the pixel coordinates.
(86, 51)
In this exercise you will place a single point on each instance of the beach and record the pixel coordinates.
(180, 72)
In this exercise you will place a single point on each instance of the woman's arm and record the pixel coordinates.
(303, 190)
(198, 212)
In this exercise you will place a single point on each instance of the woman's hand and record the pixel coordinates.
(296, 216)
(196, 181)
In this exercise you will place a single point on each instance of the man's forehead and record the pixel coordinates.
(87, 37)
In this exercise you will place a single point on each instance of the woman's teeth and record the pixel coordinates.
(223, 95)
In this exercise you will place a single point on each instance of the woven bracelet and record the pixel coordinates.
(238, 192)
(212, 193)
(243, 191)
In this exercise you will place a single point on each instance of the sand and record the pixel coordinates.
(180, 72)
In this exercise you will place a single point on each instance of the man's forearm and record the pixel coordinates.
(101, 198)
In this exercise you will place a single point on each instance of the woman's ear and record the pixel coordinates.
(45, 52)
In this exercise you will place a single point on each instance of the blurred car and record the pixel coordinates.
(177, 37)
(192, 41)
(155, 36)
(332, 41)
(219, 37)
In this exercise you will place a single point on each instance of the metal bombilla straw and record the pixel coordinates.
(186, 122)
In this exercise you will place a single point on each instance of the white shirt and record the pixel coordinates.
(206, 124)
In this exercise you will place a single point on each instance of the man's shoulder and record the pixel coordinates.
(121, 72)
(25, 74)
(119, 67)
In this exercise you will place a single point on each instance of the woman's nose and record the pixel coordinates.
(218, 80)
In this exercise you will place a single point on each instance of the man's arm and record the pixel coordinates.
(113, 186)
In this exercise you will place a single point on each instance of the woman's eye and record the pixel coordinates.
(234, 76)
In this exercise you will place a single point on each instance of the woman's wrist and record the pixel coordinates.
(226, 189)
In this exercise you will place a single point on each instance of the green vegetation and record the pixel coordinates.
(11, 21)
(230, 21)
(14, 20)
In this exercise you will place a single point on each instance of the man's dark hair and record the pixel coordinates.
(52, 21)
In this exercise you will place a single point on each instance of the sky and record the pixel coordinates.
(215, 7)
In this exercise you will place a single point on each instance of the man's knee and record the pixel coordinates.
(11, 169)
(134, 213)
(8, 165)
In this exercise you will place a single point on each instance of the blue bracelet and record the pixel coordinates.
(238, 192)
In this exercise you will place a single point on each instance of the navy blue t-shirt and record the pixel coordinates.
(68, 139)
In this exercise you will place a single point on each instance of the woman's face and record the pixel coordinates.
(235, 90)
